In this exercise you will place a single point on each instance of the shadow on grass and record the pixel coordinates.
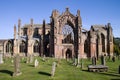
(31, 65)
(115, 79)
(109, 74)
(44, 73)
(7, 72)
(105, 73)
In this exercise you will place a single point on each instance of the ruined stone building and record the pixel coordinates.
(63, 37)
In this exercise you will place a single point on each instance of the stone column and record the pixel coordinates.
(103, 60)
(93, 60)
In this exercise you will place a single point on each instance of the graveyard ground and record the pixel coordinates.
(64, 71)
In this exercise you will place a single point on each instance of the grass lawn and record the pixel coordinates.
(64, 71)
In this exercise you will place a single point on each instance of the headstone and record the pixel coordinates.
(58, 61)
(1, 58)
(103, 60)
(12, 61)
(75, 61)
(27, 59)
(36, 63)
(113, 58)
(78, 62)
(94, 60)
(43, 59)
(53, 69)
(17, 71)
(31, 58)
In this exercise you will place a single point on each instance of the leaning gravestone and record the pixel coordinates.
(1, 58)
(103, 60)
(53, 69)
(36, 63)
(17, 71)
(94, 60)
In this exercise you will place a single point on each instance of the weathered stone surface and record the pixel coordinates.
(53, 69)
(93, 60)
(51, 40)
(17, 71)
(36, 63)
(1, 58)
(103, 60)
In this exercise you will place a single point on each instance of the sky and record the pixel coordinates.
(92, 12)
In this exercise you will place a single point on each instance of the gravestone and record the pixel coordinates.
(94, 60)
(103, 60)
(58, 61)
(43, 59)
(113, 58)
(36, 63)
(27, 59)
(17, 71)
(75, 61)
(31, 59)
(53, 69)
(12, 61)
(1, 58)
(78, 61)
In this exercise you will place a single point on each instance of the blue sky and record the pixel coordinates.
(92, 12)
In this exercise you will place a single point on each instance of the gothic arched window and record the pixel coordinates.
(22, 47)
(8, 47)
(103, 42)
(36, 47)
(68, 34)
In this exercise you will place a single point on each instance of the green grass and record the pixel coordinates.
(64, 71)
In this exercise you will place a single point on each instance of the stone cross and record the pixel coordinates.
(1, 58)
(53, 69)
(17, 71)
(103, 60)
(36, 63)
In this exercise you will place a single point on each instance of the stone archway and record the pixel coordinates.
(68, 53)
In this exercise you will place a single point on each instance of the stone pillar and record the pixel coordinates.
(93, 49)
(29, 47)
(19, 28)
(93, 60)
(15, 32)
(43, 38)
(15, 50)
(103, 60)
